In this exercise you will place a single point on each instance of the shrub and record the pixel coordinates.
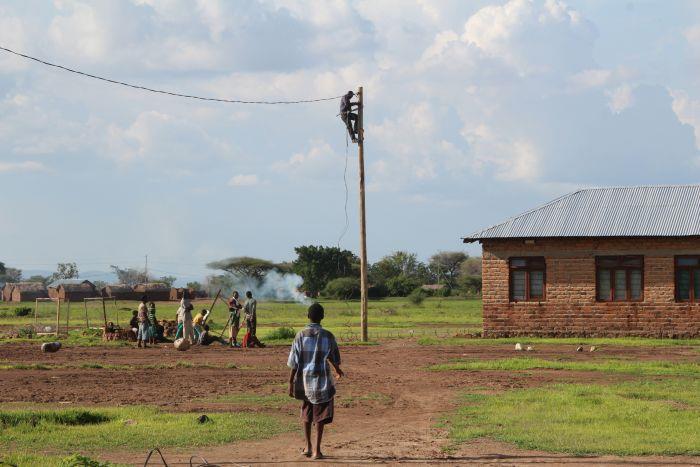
(343, 288)
(401, 286)
(22, 311)
(377, 291)
(417, 296)
(281, 334)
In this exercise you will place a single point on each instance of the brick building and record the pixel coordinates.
(598, 262)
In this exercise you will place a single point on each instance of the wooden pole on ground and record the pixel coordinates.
(363, 220)
(211, 308)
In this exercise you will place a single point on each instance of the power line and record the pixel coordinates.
(159, 91)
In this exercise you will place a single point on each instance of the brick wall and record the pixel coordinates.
(570, 307)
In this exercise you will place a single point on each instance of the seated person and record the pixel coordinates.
(206, 337)
(133, 326)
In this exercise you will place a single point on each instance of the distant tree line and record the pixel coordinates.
(335, 273)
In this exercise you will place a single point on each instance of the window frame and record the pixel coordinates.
(691, 288)
(628, 282)
(527, 268)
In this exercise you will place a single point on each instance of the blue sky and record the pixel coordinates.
(475, 111)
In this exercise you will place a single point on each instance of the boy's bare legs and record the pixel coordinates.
(307, 436)
(319, 436)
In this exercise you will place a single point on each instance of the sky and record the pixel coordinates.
(475, 111)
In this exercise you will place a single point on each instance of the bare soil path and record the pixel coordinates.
(387, 410)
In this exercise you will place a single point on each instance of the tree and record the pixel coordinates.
(401, 286)
(398, 263)
(38, 278)
(99, 285)
(130, 276)
(194, 285)
(471, 266)
(343, 288)
(65, 271)
(223, 282)
(9, 274)
(169, 280)
(244, 266)
(446, 266)
(318, 265)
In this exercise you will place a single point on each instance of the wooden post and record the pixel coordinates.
(104, 312)
(58, 314)
(363, 221)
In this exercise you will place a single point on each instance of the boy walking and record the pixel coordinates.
(313, 352)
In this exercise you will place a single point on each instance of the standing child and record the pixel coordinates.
(144, 326)
(153, 323)
(314, 352)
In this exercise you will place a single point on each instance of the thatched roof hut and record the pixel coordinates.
(73, 290)
(6, 292)
(28, 291)
(154, 291)
(120, 292)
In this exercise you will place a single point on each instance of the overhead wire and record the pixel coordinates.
(169, 93)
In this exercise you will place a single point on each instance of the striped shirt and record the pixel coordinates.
(313, 346)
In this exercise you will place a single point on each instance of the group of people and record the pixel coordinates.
(145, 325)
(195, 329)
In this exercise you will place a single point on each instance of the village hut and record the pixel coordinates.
(176, 293)
(73, 290)
(28, 291)
(155, 291)
(6, 294)
(120, 292)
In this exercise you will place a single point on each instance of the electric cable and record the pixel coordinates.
(159, 91)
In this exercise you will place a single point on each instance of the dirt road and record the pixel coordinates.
(388, 406)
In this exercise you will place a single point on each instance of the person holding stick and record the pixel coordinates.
(234, 309)
(251, 321)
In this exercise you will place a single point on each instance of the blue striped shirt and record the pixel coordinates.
(311, 350)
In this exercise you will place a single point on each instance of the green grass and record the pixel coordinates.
(34, 460)
(118, 367)
(391, 317)
(639, 418)
(136, 428)
(597, 341)
(653, 367)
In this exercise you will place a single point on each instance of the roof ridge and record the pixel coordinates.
(522, 214)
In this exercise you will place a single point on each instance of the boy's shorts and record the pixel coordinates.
(317, 413)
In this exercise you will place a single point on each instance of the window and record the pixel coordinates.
(687, 278)
(527, 279)
(619, 278)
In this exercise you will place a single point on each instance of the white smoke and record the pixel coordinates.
(274, 286)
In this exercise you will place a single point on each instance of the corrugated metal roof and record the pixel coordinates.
(637, 211)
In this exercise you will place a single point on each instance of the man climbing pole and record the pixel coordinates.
(348, 116)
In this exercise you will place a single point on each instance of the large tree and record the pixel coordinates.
(399, 263)
(168, 280)
(9, 274)
(65, 271)
(244, 266)
(317, 265)
(446, 266)
(130, 276)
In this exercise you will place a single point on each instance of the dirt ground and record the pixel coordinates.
(387, 409)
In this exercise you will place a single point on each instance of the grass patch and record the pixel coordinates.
(640, 418)
(34, 460)
(597, 341)
(281, 333)
(136, 427)
(654, 367)
(265, 401)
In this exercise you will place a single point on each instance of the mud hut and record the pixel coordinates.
(120, 292)
(6, 293)
(73, 290)
(155, 291)
(28, 291)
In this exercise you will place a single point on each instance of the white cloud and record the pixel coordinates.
(316, 162)
(244, 180)
(621, 98)
(27, 166)
(688, 111)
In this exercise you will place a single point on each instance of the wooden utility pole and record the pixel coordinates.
(363, 221)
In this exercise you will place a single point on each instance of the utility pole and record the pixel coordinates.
(363, 220)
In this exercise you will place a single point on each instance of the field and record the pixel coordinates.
(417, 395)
